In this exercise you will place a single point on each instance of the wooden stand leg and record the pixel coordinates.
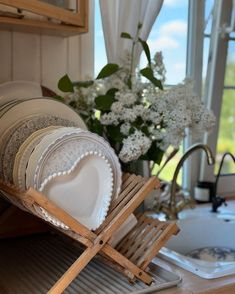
(75, 269)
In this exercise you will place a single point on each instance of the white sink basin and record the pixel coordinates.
(199, 233)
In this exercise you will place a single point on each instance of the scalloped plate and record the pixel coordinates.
(60, 154)
(24, 152)
(84, 191)
(20, 120)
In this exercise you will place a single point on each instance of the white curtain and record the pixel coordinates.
(123, 16)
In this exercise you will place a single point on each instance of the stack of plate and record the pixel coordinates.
(45, 144)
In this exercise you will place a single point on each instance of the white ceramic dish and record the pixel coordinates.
(44, 146)
(41, 105)
(24, 152)
(12, 122)
(6, 106)
(19, 90)
(16, 135)
(61, 153)
(84, 191)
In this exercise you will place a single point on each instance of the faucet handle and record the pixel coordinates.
(217, 202)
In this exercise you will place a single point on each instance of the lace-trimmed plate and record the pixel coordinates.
(24, 152)
(27, 109)
(61, 153)
(84, 191)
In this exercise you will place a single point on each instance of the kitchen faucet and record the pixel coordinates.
(217, 201)
(172, 208)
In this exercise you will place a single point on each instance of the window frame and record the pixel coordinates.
(214, 90)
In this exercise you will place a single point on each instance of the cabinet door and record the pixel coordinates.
(67, 14)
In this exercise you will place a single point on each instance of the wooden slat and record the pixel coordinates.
(165, 236)
(144, 241)
(127, 264)
(120, 218)
(121, 205)
(149, 238)
(59, 213)
(127, 186)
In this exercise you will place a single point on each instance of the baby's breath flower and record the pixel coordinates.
(134, 146)
(117, 107)
(126, 97)
(125, 128)
(109, 119)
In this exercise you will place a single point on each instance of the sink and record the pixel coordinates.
(200, 232)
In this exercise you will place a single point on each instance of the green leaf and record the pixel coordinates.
(140, 25)
(112, 91)
(154, 153)
(83, 84)
(96, 126)
(115, 133)
(73, 104)
(129, 82)
(145, 130)
(146, 50)
(147, 72)
(60, 98)
(108, 70)
(126, 35)
(65, 84)
(104, 102)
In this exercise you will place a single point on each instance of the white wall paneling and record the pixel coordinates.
(5, 56)
(26, 57)
(44, 59)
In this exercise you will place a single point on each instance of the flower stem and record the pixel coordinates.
(135, 41)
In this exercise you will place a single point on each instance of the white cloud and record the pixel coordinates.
(175, 72)
(162, 43)
(180, 66)
(175, 27)
(174, 3)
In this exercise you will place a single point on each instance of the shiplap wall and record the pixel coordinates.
(44, 59)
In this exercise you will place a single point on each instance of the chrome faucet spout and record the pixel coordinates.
(210, 160)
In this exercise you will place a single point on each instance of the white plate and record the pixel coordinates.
(63, 150)
(23, 154)
(19, 90)
(7, 106)
(41, 105)
(16, 135)
(26, 111)
(42, 148)
(84, 191)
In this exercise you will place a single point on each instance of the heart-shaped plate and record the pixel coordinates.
(84, 191)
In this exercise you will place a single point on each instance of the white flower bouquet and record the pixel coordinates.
(130, 109)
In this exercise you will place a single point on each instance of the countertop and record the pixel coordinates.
(194, 284)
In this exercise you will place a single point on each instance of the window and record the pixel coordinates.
(226, 137)
(220, 95)
(100, 53)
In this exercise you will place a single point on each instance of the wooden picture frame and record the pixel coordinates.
(65, 21)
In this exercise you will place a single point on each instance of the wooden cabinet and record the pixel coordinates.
(61, 17)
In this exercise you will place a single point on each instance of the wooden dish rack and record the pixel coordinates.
(133, 253)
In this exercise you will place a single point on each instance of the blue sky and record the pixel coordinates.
(168, 35)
